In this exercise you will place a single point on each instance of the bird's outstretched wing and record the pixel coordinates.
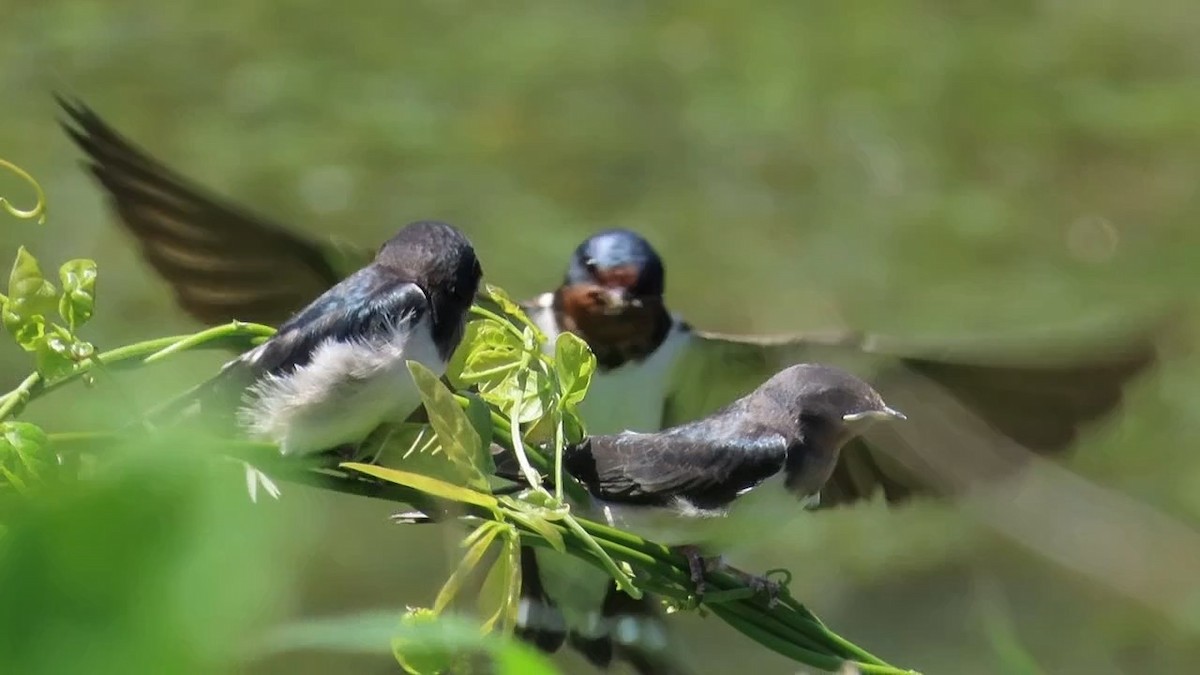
(1040, 400)
(707, 463)
(222, 261)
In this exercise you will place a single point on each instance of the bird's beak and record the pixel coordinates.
(617, 300)
(882, 414)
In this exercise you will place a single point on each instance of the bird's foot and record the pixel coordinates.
(698, 566)
(761, 585)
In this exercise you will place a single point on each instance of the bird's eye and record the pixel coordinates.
(812, 419)
(591, 265)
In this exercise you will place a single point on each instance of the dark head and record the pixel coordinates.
(440, 259)
(824, 408)
(612, 296)
(832, 396)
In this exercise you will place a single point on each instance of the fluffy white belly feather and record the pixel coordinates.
(343, 393)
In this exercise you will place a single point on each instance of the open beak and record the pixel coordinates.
(883, 414)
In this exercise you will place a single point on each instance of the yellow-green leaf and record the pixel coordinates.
(414, 448)
(479, 543)
(78, 300)
(574, 364)
(460, 441)
(496, 593)
(511, 308)
(426, 484)
(31, 300)
(480, 416)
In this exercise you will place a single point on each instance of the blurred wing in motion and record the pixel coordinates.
(222, 261)
(1125, 545)
(1038, 401)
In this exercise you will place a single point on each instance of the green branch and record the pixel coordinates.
(237, 335)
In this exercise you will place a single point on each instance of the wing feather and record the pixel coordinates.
(702, 463)
(341, 315)
(222, 261)
(1038, 400)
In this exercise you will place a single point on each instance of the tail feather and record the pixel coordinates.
(639, 634)
(539, 621)
(214, 402)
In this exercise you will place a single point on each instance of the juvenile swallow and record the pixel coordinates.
(655, 371)
(790, 430)
(337, 369)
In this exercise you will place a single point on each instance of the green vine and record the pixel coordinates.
(39, 208)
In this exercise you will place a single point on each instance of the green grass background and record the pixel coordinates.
(923, 169)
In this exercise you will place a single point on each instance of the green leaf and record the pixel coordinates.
(426, 484)
(53, 354)
(31, 299)
(574, 364)
(477, 545)
(480, 416)
(368, 632)
(422, 643)
(139, 567)
(415, 448)
(458, 437)
(530, 392)
(24, 329)
(487, 350)
(78, 300)
(419, 656)
(511, 309)
(498, 597)
(24, 456)
(411, 447)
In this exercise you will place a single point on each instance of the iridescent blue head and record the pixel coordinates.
(612, 296)
(620, 262)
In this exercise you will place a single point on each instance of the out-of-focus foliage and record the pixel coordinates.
(914, 168)
(156, 563)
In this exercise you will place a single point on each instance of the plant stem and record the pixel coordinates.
(476, 309)
(14, 401)
(236, 334)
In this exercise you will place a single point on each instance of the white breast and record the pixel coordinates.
(629, 398)
(344, 392)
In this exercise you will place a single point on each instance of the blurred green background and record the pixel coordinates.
(923, 169)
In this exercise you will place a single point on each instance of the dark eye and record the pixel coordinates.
(591, 265)
(812, 420)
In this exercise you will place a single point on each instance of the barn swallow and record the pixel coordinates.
(655, 370)
(790, 430)
(337, 369)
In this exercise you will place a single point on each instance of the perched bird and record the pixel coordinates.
(790, 430)
(337, 369)
(656, 371)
